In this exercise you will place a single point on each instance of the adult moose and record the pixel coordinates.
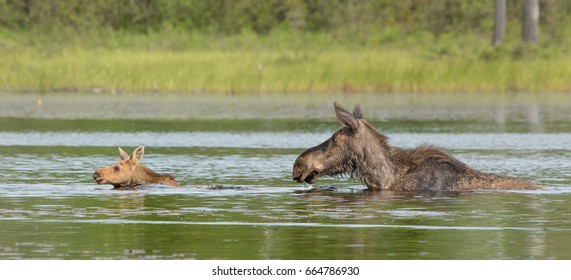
(129, 173)
(359, 150)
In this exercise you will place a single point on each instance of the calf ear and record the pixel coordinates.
(123, 154)
(357, 112)
(138, 153)
(345, 117)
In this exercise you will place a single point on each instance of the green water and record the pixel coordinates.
(50, 208)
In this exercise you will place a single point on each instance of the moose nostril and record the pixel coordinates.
(297, 176)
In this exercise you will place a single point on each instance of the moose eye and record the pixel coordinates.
(116, 168)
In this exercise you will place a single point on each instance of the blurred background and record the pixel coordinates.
(285, 46)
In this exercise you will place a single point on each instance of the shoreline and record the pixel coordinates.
(275, 71)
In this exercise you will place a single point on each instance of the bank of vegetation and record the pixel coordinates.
(279, 46)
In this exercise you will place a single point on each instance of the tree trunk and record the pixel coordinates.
(499, 23)
(530, 29)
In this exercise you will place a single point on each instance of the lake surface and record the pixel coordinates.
(50, 207)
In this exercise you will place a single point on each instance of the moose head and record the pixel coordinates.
(348, 151)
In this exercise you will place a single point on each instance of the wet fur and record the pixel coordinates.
(359, 150)
(145, 176)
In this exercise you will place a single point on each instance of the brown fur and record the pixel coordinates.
(359, 150)
(128, 173)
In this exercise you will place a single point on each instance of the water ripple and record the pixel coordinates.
(283, 140)
(320, 225)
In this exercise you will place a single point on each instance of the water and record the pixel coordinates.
(50, 208)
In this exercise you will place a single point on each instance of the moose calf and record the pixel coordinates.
(129, 173)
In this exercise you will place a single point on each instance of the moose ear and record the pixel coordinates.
(345, 117)
(123, 154)
(357, 112)
(138, 153)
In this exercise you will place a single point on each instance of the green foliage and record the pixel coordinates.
(264, 70)
(279, 45)
(354, 20)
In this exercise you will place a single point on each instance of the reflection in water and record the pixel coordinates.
(398, 106)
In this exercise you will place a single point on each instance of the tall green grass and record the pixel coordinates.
(170, 61)
(333, 70)
(292, 46)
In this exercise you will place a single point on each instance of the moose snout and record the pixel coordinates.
(302, 173)
(296, 175)
(308, 176)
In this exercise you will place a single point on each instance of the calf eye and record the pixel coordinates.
(116, 168)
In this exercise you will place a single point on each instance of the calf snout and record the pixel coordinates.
(97, 177)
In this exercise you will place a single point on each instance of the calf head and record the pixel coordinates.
(122, 173)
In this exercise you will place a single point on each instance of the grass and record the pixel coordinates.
(263, 67)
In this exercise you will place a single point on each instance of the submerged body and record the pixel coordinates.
(429, 168)
(129, 173)
(359, 150)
